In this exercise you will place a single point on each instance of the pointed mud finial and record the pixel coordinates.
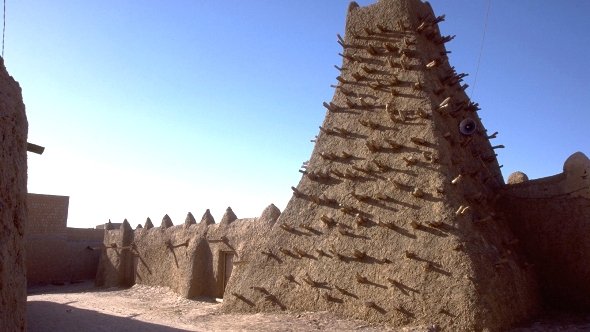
(166, 222)
(109, 225)
(139, 226)
(228, 217)
(125, 226)
(148, 224)
(207, 218)
(270, 214)
(190, 220)
(352, 5)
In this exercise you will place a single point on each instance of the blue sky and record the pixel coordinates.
(152, 107)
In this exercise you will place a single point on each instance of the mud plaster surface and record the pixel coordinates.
(13, 189)
(81, 307)
(386, 224)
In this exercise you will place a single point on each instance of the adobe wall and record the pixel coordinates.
(83, 253)
(187, 258)
(48, 214)
(45, 239)
(56, 253)
(235, 236)
(167, 256)
(551, 219)
(116, 263)
(13, 211)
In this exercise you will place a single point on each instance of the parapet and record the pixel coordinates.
(188, 258)
(551, 220)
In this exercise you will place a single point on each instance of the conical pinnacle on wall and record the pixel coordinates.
(270, 214)
(207, 218)
(190, 220)
(148, 224)
(166, 222)
(228, 217)
(125, 225)
(109, 225)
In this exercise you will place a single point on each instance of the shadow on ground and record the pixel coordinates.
(50, 316)
(86, 286)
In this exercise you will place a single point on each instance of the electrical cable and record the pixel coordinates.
(485, 27)
(3, 27)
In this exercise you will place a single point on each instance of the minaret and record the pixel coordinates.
(393, 219)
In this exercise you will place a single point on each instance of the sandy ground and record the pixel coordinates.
(81, 307)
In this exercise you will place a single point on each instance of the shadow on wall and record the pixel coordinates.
(551, 220)
(107, 268)
(86, 286)
(50, 316)
(56, 253)
(202, 274)
(194, 260)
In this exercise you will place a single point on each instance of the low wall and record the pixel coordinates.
(115, 262)
(45, 258)
(45, 239)
(551, 219)
(193, 259)
(83, 253)
(63, 257)
(167, 256)
(54, 252)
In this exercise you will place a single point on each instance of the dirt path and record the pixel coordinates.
(81, 307)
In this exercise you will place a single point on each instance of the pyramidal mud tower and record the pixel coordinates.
(394, 219)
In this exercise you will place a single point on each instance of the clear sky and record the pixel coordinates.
(149, 107)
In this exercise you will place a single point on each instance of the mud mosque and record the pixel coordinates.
(401, 215)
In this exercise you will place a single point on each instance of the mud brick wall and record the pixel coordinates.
(56, 253)
(13, 211)
(187, 258)
(116, 264)
(83, 247)
(173, 256)
(48, 214)
(551, 220)
(45, 239)
(234, 237)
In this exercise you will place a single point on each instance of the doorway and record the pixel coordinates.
(228, 265)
